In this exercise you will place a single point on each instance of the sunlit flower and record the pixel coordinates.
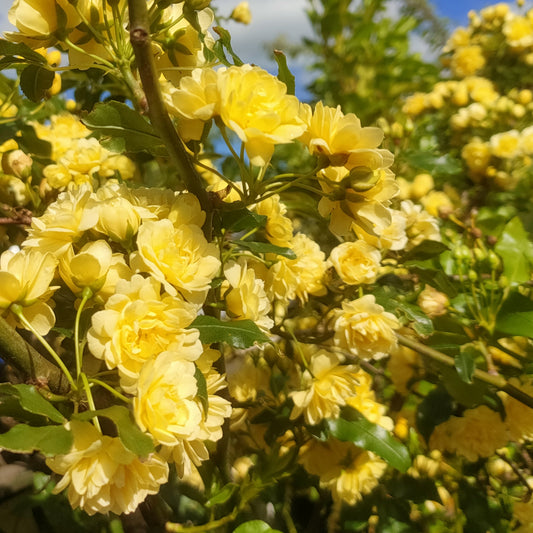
(355, 262)
(102, 475)
(433, 302)
(25, 279)
(179, 257)
(326, 383)
(518, 417)
(467, 60)
(241, 13)
(364, 328)
(505, 145)
(278, 227)
(137, 324)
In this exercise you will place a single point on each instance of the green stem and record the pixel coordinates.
(113, 391)
(178, 528)
(90, 399)
(17, 311)
(86, 295)
(141, 42)
(496, 381)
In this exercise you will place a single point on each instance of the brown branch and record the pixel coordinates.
(141, 43)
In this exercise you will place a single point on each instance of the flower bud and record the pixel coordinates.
(17, 163)
(433, 302)
(242, 13)
(197, 4)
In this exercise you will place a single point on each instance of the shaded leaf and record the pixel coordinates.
(266, 248)
(120, 128)
(223, 495)
(225, 40)
(516, 316)
(425, 250)
(372, 437)
(417, 490)
(35, 81)
(434, 409)
(255, 526)
(242, 219)
(465, 361)
(435, 164)
(129, 433)
(238, 333)
(201, 385)
(30, 400)
(49, 440)
(8, 48)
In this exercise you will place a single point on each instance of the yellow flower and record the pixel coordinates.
(386, 237)
(478, 433)
(467, 60)
(64, 221)
(356, 262)
(87, 268)
(415, 104)
(137, 324)
(278, 228)
(326, 384)
(288, 279)
(248, 380)
(256, 106)
(167, 404)
(241, 13)
(362, 205)
(342, 139)
(38, 21)
(437, 202)
(245, 294)
(422, 184)
(365, 329)
(25, 279)
(526, 140)
(476, 155)
(518, 31)
(419, 224)
(179, 257)
(433, 302)
(459, 37)
(348, 471)
(518, 417)
(505, 145)
(102, 475)
(403, 365)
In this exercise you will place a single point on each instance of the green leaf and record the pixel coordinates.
(436, 278)
(372, 437)
(422, 324)
(435, 164)
(223, 495)
(242, 219)
(516, 251)
(129, 433)
(30, 400)
(425, 250)
(284, 74)
(8, 48)
(266, 248)
(516, 316)
(49, 440)
(35, 81)
(255, 526)
(417, 490)
(465, 361)
(201, 385)
(238, 333)
(225, 39)
(434, 409)
(120, 128)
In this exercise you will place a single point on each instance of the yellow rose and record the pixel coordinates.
(518, 31)
(505, 145)
(87, 268)
(467, 60)
(433, 302)
(103, 476)
(415, 104)
(365, 329)
(167, 404)
(342, 138)
(137, 323)
(241, 13)
(38, 21)
(526, 140)
(356, 262)
(278, 228)
(422, 184)
(476, 155)
(179, 257)
(419, 224)
(25, 279)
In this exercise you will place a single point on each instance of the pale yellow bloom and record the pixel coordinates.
(25, 279)
(102, 475)
(467, 60)
(356, 262)
(403, 365)
(289, 279)
(179, 257)
(87, 268)
(326, 384)
(506, 144)
(37, 21)
(526, 140)
(518, 31)
(245, 294)
(518, 417)
(342, 138)
(459, 37)
(420, 225)
(278, 228)
(364, 328)
(348, 471)
(478, 433)
(415, 104)
(476, 155)
(422, 184)
(64, 221)
(138, 323)
(386, 237)
(241, 13)
(437, 202)
(248, 380)
(433, 302)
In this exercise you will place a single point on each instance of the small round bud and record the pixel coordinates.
(17, 163)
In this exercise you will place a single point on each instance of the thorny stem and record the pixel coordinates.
(496, 381)
(141, 42)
